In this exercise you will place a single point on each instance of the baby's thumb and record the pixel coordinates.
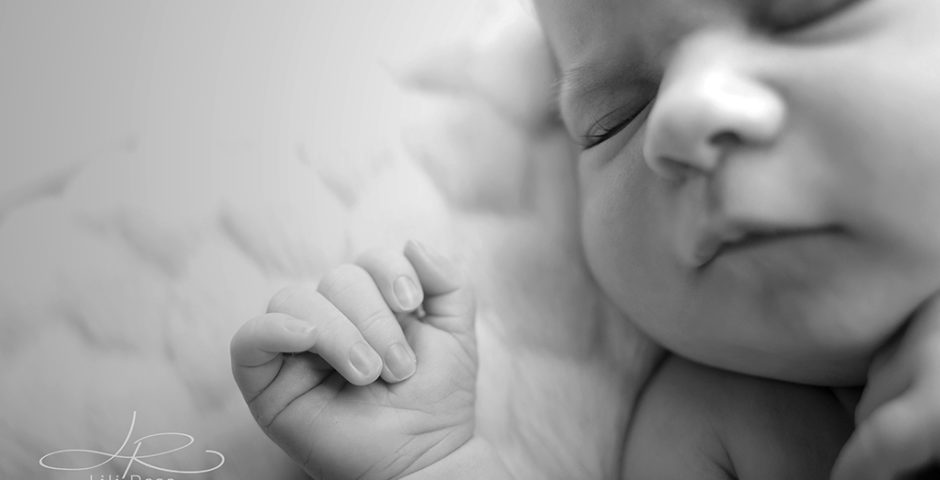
(449, 303)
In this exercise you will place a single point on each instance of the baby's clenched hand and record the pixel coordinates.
(369, 375)
(898, 417)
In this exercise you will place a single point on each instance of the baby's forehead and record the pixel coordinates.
(579, 19)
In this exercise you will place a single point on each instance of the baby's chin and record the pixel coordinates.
(828, 332)
(824, 369)
(830, 348)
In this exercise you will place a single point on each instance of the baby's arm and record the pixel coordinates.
(352, 380)
(698, 422)
(898, 416)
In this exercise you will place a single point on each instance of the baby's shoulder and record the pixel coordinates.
(699, 422)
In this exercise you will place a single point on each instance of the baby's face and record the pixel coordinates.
(760, 178)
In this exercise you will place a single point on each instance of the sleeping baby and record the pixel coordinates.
(740, 202)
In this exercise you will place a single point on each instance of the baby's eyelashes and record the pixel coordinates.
(613, 123)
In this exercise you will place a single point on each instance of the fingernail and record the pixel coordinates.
(364, 359)
(298, 327)
(407, 293)
(401, 363)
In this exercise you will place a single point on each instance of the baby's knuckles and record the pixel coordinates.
(341, 279)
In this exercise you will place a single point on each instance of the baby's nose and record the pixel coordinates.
(703, 112)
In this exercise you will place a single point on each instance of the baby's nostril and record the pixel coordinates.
(673, 169)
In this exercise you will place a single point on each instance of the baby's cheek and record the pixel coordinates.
(598, 210)
(607, 247)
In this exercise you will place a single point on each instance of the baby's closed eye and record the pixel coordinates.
(614, 122)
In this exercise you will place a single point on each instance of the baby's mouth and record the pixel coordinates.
(717, 242)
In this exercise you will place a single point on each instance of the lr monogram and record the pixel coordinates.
(148, 460)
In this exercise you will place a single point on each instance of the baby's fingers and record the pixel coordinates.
(256, 349)
(336, 339)
(890, 375)
(895, 440)
(449, 302)
(354, 293)
(395, 278)
(912, 357)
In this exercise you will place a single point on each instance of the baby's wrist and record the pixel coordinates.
(475, 460)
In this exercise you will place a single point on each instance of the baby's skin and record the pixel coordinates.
(703, 423)
(332, 374)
